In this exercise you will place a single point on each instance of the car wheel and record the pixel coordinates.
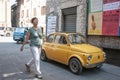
(17, 41)
(43, 56)
(8, 34)
(75, 66)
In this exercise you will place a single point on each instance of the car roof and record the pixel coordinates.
(20, 28)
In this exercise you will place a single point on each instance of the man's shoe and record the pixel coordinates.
(38, 76)
(27, 68)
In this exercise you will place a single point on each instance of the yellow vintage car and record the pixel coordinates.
(73, 50)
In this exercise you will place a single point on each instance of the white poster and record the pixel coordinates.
(111, 6)
(96, 5)
(51, 24)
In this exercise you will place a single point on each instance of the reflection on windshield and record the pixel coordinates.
(20, 30)
(76, 39)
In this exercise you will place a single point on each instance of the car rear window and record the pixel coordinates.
(21, 30)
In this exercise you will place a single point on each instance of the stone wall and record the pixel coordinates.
(105, 41)
(54, 7)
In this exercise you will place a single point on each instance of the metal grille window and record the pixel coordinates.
(35, 12)
(27, 0)
(27, 15)
(43, 10)
(22, 15)
(22, 1)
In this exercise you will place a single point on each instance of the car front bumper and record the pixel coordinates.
(93, 65)
(18, 38)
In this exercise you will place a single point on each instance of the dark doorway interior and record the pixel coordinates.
(113, 56)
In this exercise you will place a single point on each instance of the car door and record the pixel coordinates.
(48, 45)
(61, 49)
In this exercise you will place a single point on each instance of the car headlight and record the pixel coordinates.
(104, 55)
(89, 57)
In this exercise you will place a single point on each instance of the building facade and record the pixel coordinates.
(14, 15)
(30, 9)
(68, 12)
(5, 14)
(75, 16)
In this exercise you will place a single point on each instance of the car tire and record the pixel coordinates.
(75, 66)
(17, 41)
(43, 56)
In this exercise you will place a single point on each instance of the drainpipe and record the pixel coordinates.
(87, 14)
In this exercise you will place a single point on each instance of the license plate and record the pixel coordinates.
(17, 37)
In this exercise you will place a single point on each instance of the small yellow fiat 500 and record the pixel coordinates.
(73, 50)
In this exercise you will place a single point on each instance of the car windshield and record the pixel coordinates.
(21, 30)
(76, 39)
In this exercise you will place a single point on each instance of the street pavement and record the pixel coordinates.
(12, 66)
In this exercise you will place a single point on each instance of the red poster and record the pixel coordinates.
(110, 23)
(110, 1)
(119, 22)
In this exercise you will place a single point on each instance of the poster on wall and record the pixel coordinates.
(95, 17)
(110, 23)
(111, 18)
(51, 24)
(111, 6)
(105, 21)
(95, 5)
(110, 1)
(119, 22)
(95, 23)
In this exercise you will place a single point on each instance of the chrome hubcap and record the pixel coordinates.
(74, 66)
(42, 55)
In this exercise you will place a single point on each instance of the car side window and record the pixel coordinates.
(50, 38)
(60, 39)
(57, 38)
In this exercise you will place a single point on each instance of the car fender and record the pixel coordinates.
(78, 57)
(43, 48)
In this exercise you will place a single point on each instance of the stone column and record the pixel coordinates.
(81, 17)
